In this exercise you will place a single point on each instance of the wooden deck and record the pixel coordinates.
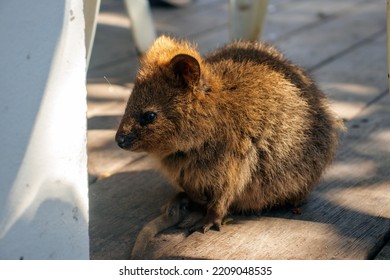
(343, 45)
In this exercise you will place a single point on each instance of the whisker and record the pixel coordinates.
(107, 80)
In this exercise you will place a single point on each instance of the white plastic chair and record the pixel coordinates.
(246, 21)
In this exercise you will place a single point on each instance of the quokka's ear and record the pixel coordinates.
(186, 69)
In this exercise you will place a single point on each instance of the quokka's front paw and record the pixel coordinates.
(210, 221)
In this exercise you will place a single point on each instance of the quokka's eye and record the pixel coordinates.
(147, 118)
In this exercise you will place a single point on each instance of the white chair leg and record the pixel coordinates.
(91, 11)
(43, 174)
(247, 19)
(142, 27)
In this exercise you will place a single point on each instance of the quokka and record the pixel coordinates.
(241, 129)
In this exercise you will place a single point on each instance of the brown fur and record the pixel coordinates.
(241, 129)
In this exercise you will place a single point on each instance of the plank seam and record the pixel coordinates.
(347, 50)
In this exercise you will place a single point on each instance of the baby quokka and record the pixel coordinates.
(241, 129)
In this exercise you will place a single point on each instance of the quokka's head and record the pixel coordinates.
(159, 117)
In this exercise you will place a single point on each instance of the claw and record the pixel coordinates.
(206, 228)
(205, 225)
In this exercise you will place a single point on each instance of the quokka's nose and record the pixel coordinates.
(124, 140)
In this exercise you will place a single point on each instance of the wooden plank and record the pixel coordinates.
(165, 13)
(114, 54)
(105, 158)
(292, 17)
(286, 24)
(384, 254)
(106, 98)
(341, 223)
(335, 35)
(284, 20)
(332, 223)
(186, 24)
(121, 204)
(106, 104)
(347, 216)
(356, 79)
